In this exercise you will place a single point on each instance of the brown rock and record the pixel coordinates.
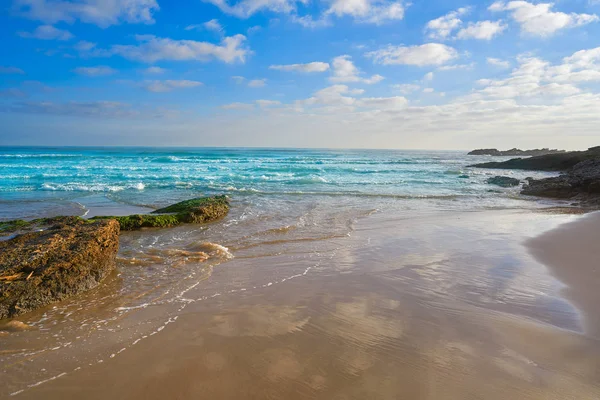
(39, 268)
(14, 326)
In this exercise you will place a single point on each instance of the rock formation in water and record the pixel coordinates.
(70, 257)
(49, 259)
(580, 178)
(503, 181)
(194, 211)
(514, 152)
(550, 162)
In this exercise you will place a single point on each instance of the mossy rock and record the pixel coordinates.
(196, 211)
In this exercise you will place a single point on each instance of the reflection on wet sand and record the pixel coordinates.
(455, 309)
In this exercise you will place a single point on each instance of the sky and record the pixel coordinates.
(420, 74)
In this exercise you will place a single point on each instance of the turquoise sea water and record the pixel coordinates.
(49, 181)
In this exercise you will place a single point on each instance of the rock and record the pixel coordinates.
(15, 326)
(558, 188)
(550, 162)
(514, 152)
(581, 180)
(200, 210)
(503, 181)
(42, 267)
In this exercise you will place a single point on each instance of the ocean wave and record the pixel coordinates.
(99, 187)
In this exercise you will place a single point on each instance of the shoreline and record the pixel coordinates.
(571, 253)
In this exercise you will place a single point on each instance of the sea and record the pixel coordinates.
(39, 182)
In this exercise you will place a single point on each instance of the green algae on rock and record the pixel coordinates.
(40, 268)
(196, 211)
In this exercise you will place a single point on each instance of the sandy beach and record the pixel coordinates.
(428, 306)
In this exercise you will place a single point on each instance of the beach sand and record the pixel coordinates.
(438, 306)
(572, 252)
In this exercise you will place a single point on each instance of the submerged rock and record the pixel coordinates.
(503, 181)
(14, 326)
(200, 210)
(67, 258)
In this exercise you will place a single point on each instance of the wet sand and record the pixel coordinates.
(572, 252)
(430, 306)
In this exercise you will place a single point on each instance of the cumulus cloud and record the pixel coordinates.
(426, 54)
(406, 88)
(11, 70)
(169, 85)
(101, 70)
(46, 32)
(368, 11)
(154, 70)
(306, 68)
(539, 19)
(237, 106)
(238, 79)
(268, 103)
(212, 25)
(99, 12)
(482, 30)
(247, 8)
(344, 70)
(364, 11)
(496, 62)
(535, 77)
(442, 27)
(151, 49)
(257, 83)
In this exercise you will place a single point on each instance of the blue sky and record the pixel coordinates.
(310, 73)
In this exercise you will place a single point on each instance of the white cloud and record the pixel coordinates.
(152, 49)
(11, 70)
(257, 83)
(100, 12)
(214, 25)
(237, 106)
(101, 70)
(539, 19)
(428, 90)
(307, 68)
(308, 21)
(442, 27)
(169, 85)
(365, 11)
(238, 79)
(426, 54)
(46, 32)
(406, 88)
(496, 62)
(456, 67)
(344, 70)
(246, 8)
(154, 70)
(368, 11)
(268, 103)
(428, 76)
(482, 30)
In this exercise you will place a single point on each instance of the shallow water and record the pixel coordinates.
(382, 291)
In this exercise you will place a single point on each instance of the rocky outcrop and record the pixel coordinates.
(503, 181)
(194, 211)
(514, 152)
(50, 259)
(67, 258)
(582, 180)
(550, 162)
